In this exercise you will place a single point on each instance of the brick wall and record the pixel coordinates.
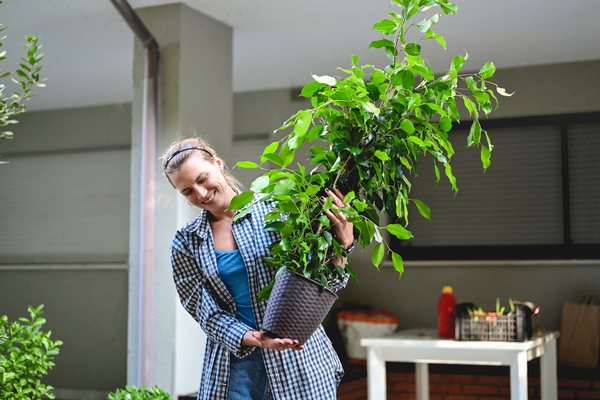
(401, 386)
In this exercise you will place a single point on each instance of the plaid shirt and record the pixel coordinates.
(311, 373)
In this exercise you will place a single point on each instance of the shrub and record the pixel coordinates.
(26, 354)
(140, 393)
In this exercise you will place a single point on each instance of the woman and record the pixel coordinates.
(218, 272)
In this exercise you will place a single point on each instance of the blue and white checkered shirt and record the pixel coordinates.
(311, 373)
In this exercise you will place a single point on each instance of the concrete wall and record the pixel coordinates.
(78, 194)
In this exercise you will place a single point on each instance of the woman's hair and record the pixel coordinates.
(174, 157)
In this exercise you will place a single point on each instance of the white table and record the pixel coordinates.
(423, 347)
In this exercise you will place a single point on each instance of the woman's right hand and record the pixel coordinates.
(259, 339)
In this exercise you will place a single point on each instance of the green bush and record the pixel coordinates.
(26, 354)
(140, 393)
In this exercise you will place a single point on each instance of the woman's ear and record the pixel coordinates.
(220, 163)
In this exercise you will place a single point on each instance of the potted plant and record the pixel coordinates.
(368, 132)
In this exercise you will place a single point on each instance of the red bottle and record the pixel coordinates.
(446, 307)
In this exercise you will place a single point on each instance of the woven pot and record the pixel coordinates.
(296, 308)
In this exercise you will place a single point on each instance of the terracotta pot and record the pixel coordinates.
(296, 308)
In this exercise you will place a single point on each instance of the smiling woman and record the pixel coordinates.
(219, 271)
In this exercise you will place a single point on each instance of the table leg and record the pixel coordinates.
(376, 373)
(422, 381)
(518, 377)
(548, 371)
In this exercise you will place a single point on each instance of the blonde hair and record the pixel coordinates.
(178, 153)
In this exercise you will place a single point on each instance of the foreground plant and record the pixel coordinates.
(28, 76)
(368, 131)
(26, 354)
(140, 393)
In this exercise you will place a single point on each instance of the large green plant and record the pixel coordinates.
(368, 131)
(28, 76)
(26, 354)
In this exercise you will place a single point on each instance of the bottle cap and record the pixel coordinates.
(447, 289)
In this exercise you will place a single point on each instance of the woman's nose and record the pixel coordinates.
(201, 192)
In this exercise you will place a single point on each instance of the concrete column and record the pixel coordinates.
(195, 86)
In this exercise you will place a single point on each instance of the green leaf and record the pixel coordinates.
(373, 92)
(310, 89)
(378, 44)
(399, 231)
(370, 107)
(474, 134)
(407, 126)
(450, 176)
(349, 197)
(487, 71)
(398, 264)
(485, 156)
(470, 106)
(445, 123)
(302, 123)
(424, 25)
(272, 148)
(247, 164)
(359, 205)
(441, 41)
(354, 59)
(241, 200)
(408, 79)
(448, 8)
(274, 158)
(423, 209)
(259, 184)
(295, 142)
(315, 132)
(289, 206)
(381, 155)
(413, 49)
(471, 84)
(386, 26)
(283, 187)
(416, 140)
(481, 97)
(326, 79)
(423, 71)
(378, 253)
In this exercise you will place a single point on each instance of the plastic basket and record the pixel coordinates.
(511, 327)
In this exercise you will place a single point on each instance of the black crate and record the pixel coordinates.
(511, 327)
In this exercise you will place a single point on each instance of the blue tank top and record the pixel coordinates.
(232, 271)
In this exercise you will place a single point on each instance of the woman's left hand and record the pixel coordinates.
(343, 228)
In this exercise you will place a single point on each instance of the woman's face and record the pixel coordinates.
(202, 183)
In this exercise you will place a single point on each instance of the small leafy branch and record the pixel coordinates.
(28, 77)
(491, 316)
(140, 393)
(26, 354)
(368, 130)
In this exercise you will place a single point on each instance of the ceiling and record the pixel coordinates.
(88, 48)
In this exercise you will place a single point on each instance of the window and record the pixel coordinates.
(538, 200)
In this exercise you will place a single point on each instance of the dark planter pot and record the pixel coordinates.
(296, 308)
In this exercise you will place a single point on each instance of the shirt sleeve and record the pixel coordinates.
(218, 324)
(338, 283)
